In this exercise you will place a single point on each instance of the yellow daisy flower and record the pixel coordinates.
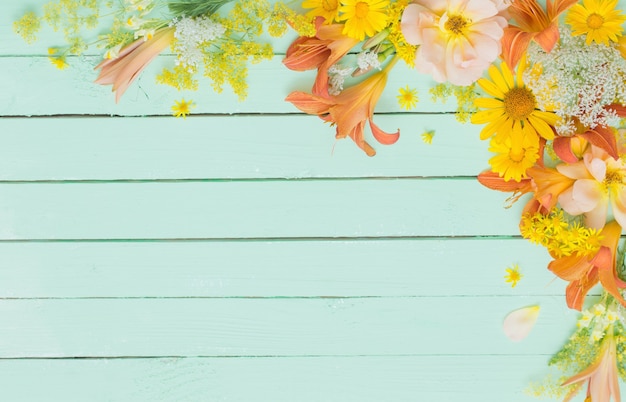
(182, 108)
(58, 62)
(512, 103)
(407, 98)
(598, 19)
(364, 17)
(516, 152)
(513, 275)
(329, 9)
(427, 137)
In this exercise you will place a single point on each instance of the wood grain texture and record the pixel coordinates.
(244, 254)
(230, 147)
(49, 91)
(191, 327)
(363, 378)
(257, 209)
(305, 268)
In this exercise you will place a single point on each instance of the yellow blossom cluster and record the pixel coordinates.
(558, 235)
(282, 14)
(180, 77)
(465, 97)
(27, 27)
(403, 49)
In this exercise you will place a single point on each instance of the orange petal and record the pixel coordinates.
(493, 181)
(577, 290)
(548, 37)
(563, 148)
(308, 103)
(382, 136)
(514, 44)
(603, 137)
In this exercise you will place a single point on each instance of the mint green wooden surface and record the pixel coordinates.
(244, 254)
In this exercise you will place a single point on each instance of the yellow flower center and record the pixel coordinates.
(519, 103)
(456, 24)
(361, 9)
(329, 5)
(613, 177)
(595, 21)
(517, 155)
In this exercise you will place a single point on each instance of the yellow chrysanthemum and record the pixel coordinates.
(329, 9)
(407, 98)
(363, 17)
(513, 275)
(512, 103)
(516, 152)
(598, 19)
(182, 108)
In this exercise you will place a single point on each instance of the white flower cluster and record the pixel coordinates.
(336, 77)
(191, 35)
(599, 318)
(368, 60)
(577, 80)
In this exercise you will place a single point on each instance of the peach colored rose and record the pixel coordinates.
(458, 39)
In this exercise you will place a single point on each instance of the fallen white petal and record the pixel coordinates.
(517, 324)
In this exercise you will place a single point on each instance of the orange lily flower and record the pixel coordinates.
(548, 184)
(533, 23)
(351, 109)
(584, 272)
(122, 71)
(321, 52)
(602, 375)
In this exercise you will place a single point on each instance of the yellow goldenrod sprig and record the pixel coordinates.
(558, 235)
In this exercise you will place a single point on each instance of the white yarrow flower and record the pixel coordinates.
(192, 34)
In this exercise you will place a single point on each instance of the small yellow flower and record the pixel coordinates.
(407, 98)
(182, 108)
(58, 62)
(427, 137)
(513, 275)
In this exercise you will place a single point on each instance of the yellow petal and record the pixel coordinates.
(486, 116)
(488, 103)
(491, 88)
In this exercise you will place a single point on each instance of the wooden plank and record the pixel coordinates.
(256, 209)
(12, 44)
(43, 90)
(229, 147)
(367, 378)
(275, 327)
(270, 269)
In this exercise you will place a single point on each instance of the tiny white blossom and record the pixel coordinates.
(336, 77)
(596, 335)
(134, 22)
(191, 35)
(585, 320)
(147, 34)
(113, 52)
(578, 80)
(368, 60)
